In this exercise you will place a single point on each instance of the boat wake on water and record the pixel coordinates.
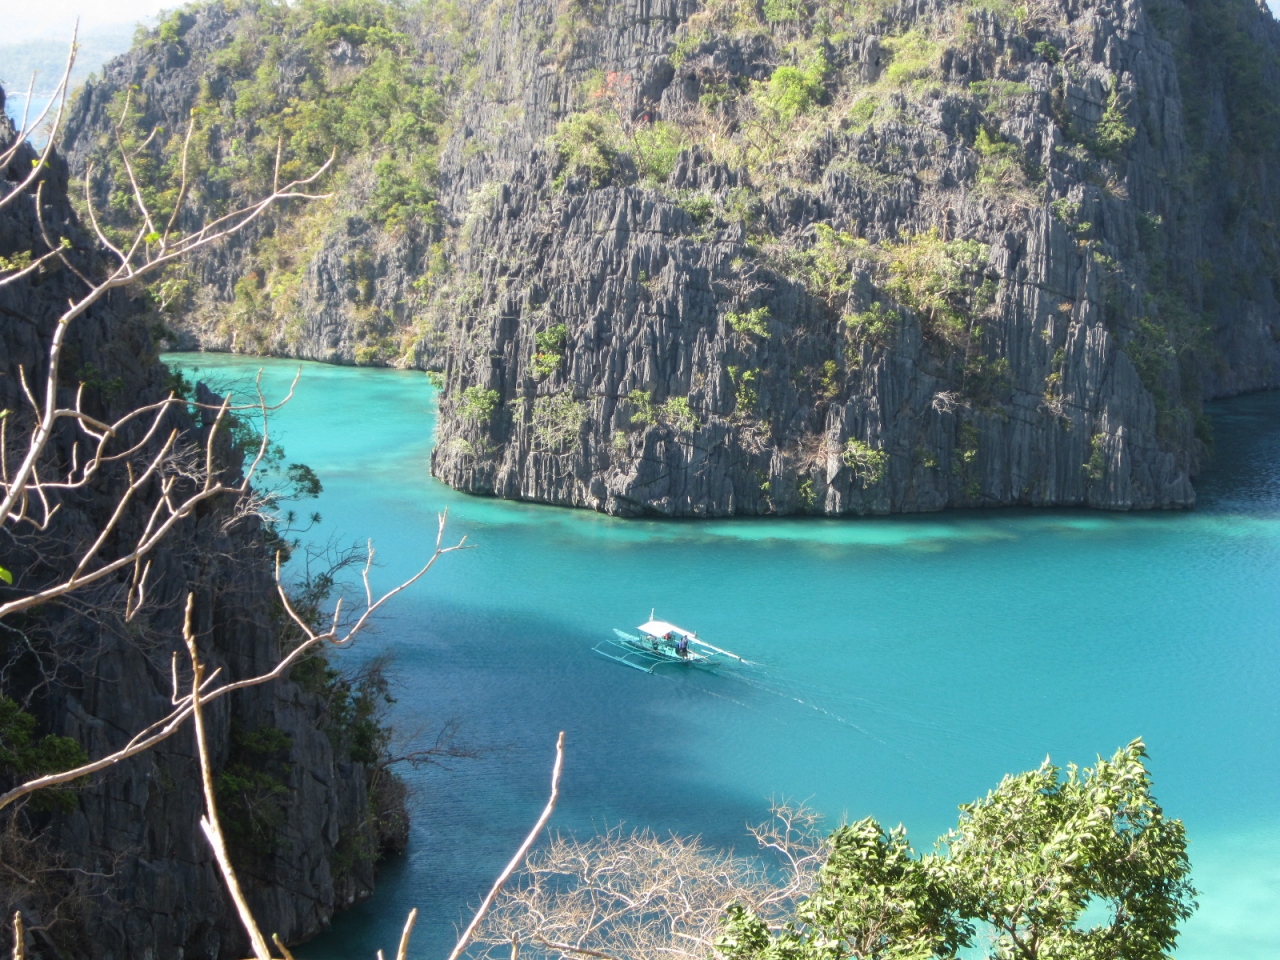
(781, 691)
(658, 643)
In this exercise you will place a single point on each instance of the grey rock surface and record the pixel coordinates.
(643, 292)
(1114, 290)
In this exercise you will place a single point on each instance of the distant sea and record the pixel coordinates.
(907, 663)
(46, 58)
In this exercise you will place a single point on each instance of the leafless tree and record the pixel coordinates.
(640, 896)
(167, 476)
(145, 441)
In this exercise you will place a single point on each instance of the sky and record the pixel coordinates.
(25, 20)
(28, 20)
(53, 19)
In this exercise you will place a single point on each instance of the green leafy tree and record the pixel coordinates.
(1047, 51)
(875, 324)
(1030, 862)
(1115, 132)
(478, 404)
(549, 346)
(641, 409)
(875, 901)
(1045, 846)
(557, 420)
(749, 323)
(677, 412)
(783, 11)
(587, 144)
(656, 148)
(792, 91)
(938, 278)
(24, 755)
(866, 462)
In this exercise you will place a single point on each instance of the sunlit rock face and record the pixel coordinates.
(704, 260)
(997, 273)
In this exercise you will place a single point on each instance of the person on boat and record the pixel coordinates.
(682, 646)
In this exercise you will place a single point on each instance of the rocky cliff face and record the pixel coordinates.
(986, 277)
(123, 870)
(832, 258)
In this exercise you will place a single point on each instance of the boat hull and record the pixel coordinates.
(646, 655)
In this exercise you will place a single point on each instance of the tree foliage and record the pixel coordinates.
(875, 900)
(1032, 864)
(587, 144)
(549, 348)
(557, 420)
(25, 755)
(1115, 132)
(938, 278)
(795, 90)
(478, 404)
(867, 463)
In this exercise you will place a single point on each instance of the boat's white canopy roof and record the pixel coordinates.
(660, 628)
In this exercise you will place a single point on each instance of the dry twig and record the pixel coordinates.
(640, 896)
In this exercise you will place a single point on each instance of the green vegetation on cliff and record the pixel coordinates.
(831, 192)
(287, 87)
(24, 755)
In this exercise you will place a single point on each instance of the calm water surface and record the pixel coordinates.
(908, 662)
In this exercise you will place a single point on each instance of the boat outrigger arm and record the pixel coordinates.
(661, 642)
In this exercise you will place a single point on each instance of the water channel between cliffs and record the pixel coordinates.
(909, 662)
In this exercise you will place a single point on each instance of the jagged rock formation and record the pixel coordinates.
(333, 284)
(1056, 391)
(812, 257)
(124, 871)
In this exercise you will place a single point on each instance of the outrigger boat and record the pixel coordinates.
(661, 642)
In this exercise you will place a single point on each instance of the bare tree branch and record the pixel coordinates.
(641, 896)
(336, 635)
(209, 823)
(60, 95)
(465, 939)
(403, 950)
(166, 471)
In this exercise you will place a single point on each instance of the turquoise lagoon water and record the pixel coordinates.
(908, 663)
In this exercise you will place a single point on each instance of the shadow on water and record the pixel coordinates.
(1242, 475)
(504, 674)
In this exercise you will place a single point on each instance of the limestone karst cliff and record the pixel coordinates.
(744, 258)
(118, 868)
